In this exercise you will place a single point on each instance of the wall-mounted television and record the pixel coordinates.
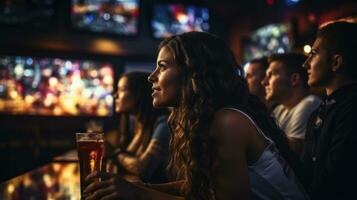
(269, 39)
(55, 86)
(29, 13)
(103, 16)
(173, 19)
(139, 66)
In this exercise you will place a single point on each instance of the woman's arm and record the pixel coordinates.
(135, 142)
(230, 132)
(114, 187)
(144, 164)
(173, 188)
(155, 153)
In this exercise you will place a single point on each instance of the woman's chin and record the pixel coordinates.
(155, 103)
(158, 104)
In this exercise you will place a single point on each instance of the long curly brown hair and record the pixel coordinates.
(211, 80)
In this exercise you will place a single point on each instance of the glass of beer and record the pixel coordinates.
(90, 147)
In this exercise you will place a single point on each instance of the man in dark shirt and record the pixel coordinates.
(330, 152)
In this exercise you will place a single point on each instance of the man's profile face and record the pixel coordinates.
(255, 73)
(277, 82)
(318, 65)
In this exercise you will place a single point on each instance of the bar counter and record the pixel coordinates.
(58, 180)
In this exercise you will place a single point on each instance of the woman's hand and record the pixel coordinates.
(111, 186)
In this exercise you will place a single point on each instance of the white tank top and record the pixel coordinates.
(270, 176)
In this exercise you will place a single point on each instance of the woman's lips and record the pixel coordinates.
(155, 91)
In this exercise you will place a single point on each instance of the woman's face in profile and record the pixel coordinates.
(124, 101)
(166, 80)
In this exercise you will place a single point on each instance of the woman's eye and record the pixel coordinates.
(162, 67)
(313, 53)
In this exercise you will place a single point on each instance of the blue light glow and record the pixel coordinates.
(292, 2)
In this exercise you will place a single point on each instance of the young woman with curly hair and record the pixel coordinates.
(224, 145)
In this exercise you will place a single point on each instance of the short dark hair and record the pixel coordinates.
(293, 63)
(263, 62)
(341, 38)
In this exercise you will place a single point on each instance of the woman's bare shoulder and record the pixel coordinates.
(232, 117)
(233, 123)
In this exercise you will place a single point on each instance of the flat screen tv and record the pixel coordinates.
(55, 86)
(173, 19)
(269, 39)
(106, 16)
(29, 13)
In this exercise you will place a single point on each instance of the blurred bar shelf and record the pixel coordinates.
(58, 180)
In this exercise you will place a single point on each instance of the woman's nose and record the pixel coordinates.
(152, 77)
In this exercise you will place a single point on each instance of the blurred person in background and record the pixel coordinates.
(147, 152)
(286, 84)
(255, 74)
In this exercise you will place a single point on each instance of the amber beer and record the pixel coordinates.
(90, 147)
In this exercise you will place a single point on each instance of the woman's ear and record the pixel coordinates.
(337, 61)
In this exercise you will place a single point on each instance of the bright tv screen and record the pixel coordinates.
(55, 86)
(173, 19)
(273, 38)
(104, 16)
